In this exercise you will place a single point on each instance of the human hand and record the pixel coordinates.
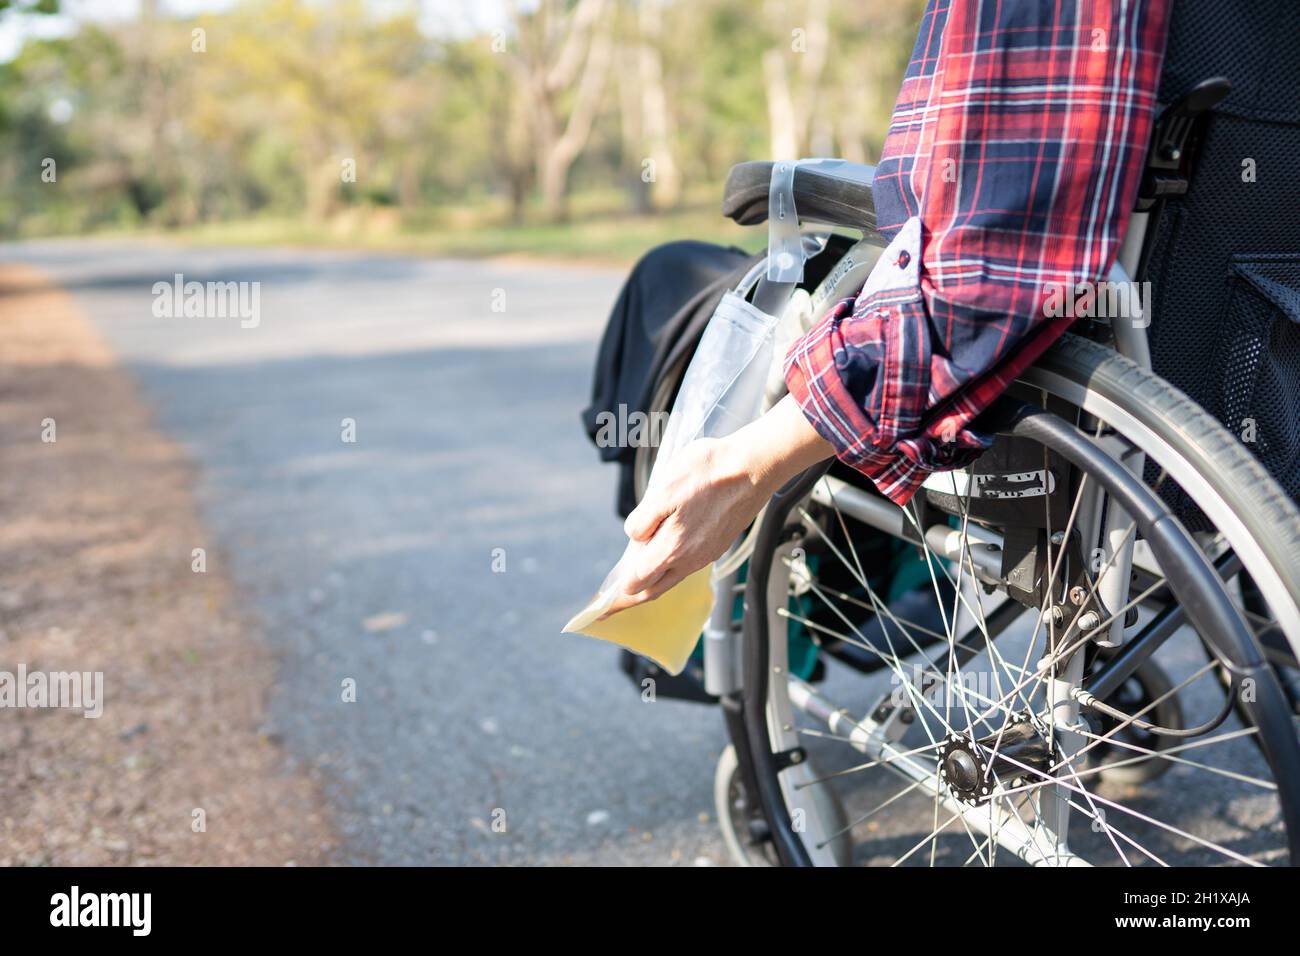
(710, 491)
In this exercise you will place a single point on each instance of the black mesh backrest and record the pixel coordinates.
(1255, 43)
(1224, 260)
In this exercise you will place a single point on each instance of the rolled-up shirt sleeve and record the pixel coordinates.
(1010, 169)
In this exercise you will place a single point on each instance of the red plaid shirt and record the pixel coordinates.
(1010, 168)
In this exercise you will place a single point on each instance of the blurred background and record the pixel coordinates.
(321, 551)
(472, 126)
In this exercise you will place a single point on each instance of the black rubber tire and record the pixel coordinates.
(1237, 477)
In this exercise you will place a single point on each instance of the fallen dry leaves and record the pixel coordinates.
(96, 532)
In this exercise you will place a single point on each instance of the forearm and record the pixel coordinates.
(777, 446)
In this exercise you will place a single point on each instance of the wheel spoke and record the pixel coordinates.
(1106, 737)
(1050, 780)
(1094, 771)
(872, 812)
(1041, 772)
(880, 605)
(1170, 756)
(866, 766)
(933, 835)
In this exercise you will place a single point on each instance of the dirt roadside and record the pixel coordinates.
(97, 531)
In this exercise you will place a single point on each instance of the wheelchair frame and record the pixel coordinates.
(1104, 518)
(721, 645)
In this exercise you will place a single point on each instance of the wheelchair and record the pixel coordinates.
(1098, 665)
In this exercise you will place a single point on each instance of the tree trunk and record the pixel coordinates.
(656, 119)
(408, 185)
(584, 54)
(792, 101)
(850, 133)
(322, 189)
(518, 187)
(632, 137)
(555, 187)
(781, 122)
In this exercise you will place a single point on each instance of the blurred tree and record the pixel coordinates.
(872, 45)
(485, 120)
(563, 58)
(341, 111)
(647, 110)
(344, 90)
(792, 69)
(29, 6)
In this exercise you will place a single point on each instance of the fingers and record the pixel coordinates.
(646, 517)
(665, 582)
(651, 563)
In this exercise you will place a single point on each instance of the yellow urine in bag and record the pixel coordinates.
(665, 629)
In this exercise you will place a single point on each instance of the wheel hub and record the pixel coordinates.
(971, 769)
(962, 770)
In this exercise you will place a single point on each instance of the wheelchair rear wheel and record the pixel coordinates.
(1043, 723)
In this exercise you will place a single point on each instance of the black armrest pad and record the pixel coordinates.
(831, 191)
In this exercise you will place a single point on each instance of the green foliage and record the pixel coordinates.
(47, 7)
(261, 110)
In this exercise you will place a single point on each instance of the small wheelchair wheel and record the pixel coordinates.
(745, 832)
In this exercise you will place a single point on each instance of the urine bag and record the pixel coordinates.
(721, 392)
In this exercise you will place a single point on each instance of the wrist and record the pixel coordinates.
(771, 450)
(743, 456)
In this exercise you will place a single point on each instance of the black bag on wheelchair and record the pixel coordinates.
(666, 300)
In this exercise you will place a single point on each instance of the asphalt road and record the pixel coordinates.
(380, 560)
(374, 560)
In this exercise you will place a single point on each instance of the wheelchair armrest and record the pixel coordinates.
(830, 191)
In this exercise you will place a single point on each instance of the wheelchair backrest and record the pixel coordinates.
(1223, 258)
